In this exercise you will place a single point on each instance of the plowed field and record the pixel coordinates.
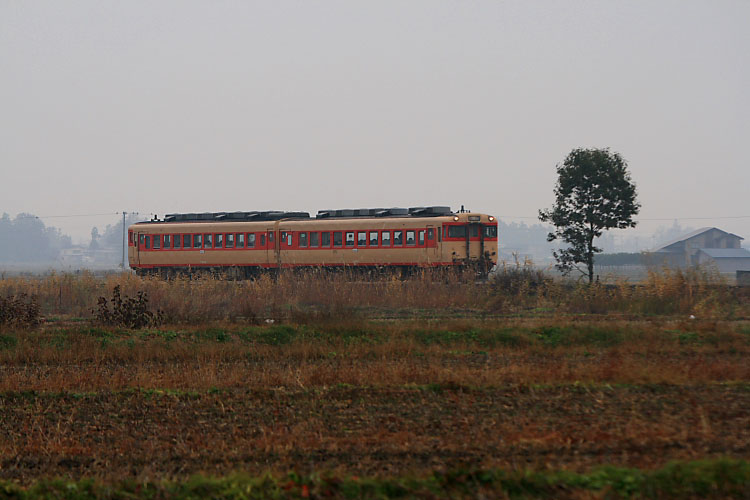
(376, 400)
(365, 431)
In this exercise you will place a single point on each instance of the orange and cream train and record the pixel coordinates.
(245, 243)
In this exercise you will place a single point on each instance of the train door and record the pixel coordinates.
(285, 244)
(144, 243)
(431, 245)
(271, 247)
(137, 238)
(474, 241)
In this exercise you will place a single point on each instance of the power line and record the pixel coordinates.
(65, 216)
(645, 219)
(702, 218)
(503, 216)
(70, 216)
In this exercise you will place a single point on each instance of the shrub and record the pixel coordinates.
(19, 311)
(129, 312)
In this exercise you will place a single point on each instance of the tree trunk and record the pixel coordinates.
(590, 256)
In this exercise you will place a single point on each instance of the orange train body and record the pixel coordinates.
(246, 247)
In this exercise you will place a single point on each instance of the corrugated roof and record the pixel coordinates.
(689, 235)
(726, 253)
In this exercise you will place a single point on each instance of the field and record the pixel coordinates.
(324, 385)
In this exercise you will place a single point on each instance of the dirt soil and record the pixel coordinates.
(366, 431)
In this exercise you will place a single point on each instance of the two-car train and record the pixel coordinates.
(246, 243)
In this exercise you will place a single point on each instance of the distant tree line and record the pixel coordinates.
(111, 236)
(26, 239)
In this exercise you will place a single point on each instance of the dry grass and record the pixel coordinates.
(315, 296)
(470, 353)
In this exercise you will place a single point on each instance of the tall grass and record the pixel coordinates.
(314, 295)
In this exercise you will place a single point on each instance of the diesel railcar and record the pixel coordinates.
(246, 243)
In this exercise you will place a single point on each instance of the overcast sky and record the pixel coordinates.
(185, 106)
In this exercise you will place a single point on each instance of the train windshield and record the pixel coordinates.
(456, 231)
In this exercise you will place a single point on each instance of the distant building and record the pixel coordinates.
(726, 260)
(706, 246)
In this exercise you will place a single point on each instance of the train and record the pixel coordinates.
(246, 244)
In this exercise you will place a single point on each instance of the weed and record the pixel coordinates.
(19, 311)
(7, 341)
(130, 312)
(719, 478)
(274, 335)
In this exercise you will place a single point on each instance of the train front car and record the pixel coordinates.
(470, 239)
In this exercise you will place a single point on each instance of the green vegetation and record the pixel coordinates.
(721, 478)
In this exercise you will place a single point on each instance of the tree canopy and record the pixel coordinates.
(26, 239)
(594, 192)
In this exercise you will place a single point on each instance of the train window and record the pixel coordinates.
(186, 240)
(177, 240)
(314, 240)
(373, 238)
(263, 239)
(251, 240)
(230, 240)
(157, 242)
(474, 231)
(337, 238)
(303, 240)
(440, 235)
(208, 240)
(386, 238)
(490, 231)
(197, 240)
(148, 242)
(430, 234)
(410, 238)
(288, 239)
(398, 238)
(456, 232)
(421, 238)
(350, 238)
(240, 239)
(325, 239)
(219, 241)
(361, 239)
(167, 241)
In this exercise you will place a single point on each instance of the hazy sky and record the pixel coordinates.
(184, 106)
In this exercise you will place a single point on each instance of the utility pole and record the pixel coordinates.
(122, 265)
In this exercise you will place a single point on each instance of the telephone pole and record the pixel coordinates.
(122, 265)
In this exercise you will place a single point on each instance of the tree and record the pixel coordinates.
(26, 239)
(94, 236)
(593, 193)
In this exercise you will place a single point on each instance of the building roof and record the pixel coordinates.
(692, 234)
(726, 253)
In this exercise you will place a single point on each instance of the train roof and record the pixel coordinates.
(274, 215)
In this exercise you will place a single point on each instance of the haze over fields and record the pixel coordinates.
(186, 106)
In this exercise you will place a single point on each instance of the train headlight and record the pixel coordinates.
(491, 218)
(455, 217)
